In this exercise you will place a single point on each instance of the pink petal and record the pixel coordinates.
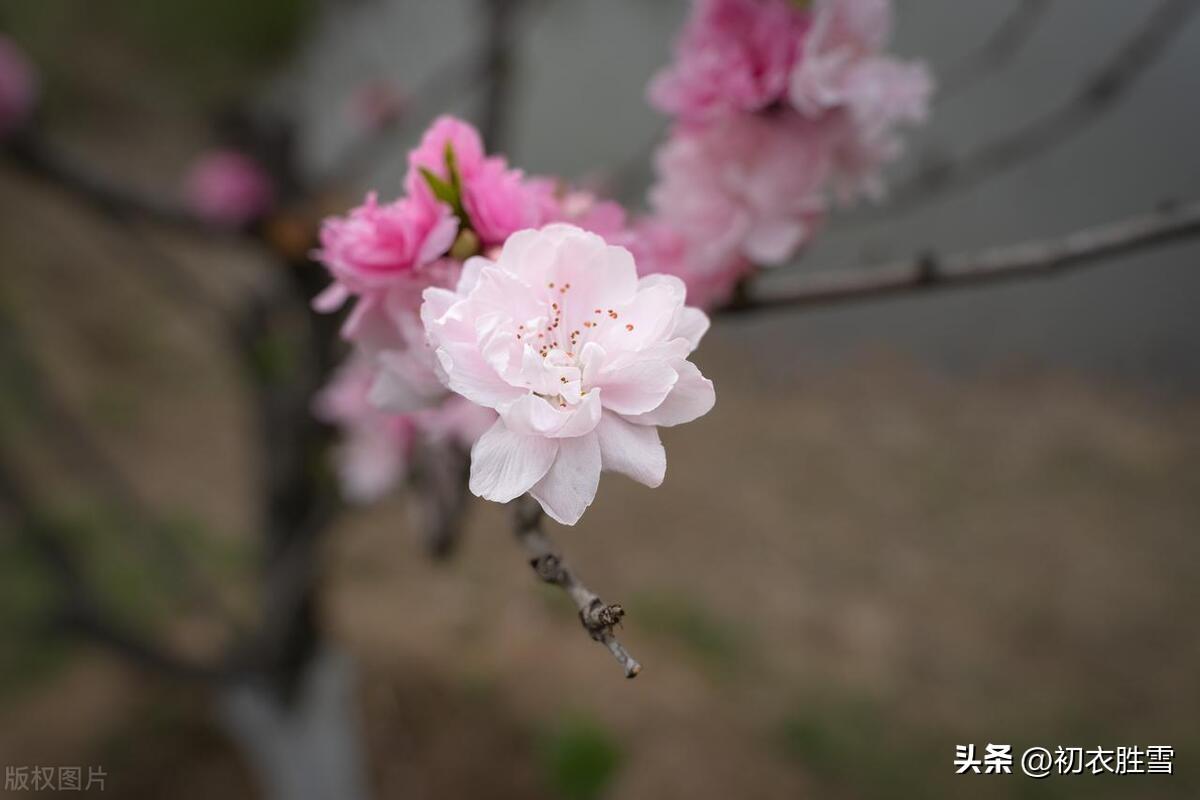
(331, 299)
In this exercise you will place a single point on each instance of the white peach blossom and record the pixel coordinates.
(581, 359)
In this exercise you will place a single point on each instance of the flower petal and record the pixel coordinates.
(535, 416)
(504, 465)
(692, 397)
(468, 374)
(570, 486)
(635, 387)
(633, 450)
(693, 324)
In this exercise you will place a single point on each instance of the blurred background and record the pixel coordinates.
(908, 524)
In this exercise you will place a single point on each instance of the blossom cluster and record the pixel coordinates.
(549, 331)
(779, 108)
(489, 311)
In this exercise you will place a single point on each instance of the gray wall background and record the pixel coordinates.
(579, 110)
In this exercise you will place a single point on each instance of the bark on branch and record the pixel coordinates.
(598, 618)
(1030, 259)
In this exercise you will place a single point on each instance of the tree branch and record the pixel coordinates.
(598, 619)
(1031, 259)
(81, 612)
(34, 154)
(1107, 86)
(997, 50)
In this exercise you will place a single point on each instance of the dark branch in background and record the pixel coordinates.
(80, 610)
(73, 438)
(997, 51)
(598, 619)
(1099, 94)
(1020, 261)
(39, 157)
(498, 58)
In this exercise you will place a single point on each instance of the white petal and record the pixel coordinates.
(504, 465)
(470, 274)
(468, 374)
(570, 485)
(633, 450)
(636, 387)
(692, 397)
(693, 324)
(536, 416)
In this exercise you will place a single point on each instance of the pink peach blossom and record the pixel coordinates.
(751, 187)
(228, 188)
(376, 447)
(843, 34)
(581, 360)
(733, 56)
(376, 247)
(498, 200)
(18, 87)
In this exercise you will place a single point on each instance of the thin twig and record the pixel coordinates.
(1107, 86)
(598, 619)
(997, 51)
(1042, 258)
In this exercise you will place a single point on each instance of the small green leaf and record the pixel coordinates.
(452, 169)
(442, 190)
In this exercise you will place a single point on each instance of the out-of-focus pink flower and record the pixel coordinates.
(881, 94)
(840, 76)
(228, 188)
(372, 455)
(843, 34)
(603, 217)
(376, 447)
(430, 154)
(498, 200)
(749, 186)
(733, 56)
(377, 248)
(18, 87)
(709, 275)
(580, 358)
(376, 104)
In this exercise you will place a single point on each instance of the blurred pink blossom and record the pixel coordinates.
(710, 276)
(498, 200)
(581, 360)
(748, 186)
(228, 188)
(18, 87)
(733, 56)
(376, 447)
(383, 252)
